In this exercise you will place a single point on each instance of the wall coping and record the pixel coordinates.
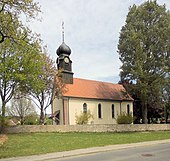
(87, 128)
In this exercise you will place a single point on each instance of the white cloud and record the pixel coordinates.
(91, 30)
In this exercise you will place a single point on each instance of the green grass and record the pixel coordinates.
(40, 143)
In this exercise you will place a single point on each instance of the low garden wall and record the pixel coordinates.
(88, 128)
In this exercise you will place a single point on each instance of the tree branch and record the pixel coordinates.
(2, 37)
(2, 8)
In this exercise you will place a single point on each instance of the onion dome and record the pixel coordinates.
(63, 49)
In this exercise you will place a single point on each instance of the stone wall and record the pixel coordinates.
(88, 128)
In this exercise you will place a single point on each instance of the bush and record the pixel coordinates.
(48, 121)
(125, 118)
(83, 118)
(31, 120)
(4, 121)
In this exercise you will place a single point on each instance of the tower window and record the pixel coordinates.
(128, 109)
(113, 111)
(85, 108)
(99, 111)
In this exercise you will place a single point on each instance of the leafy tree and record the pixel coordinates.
(10, 10)
(155, 109)
(132, 90)
(20, 65)
(166, 98)
(144, 51)
(20, 60)
(21, 107)
(45, 95)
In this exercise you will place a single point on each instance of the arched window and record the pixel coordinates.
(113, 111)
(128, 109)
(85, 108)
(99, 111)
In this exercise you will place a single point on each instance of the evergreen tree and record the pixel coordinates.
(144, 49)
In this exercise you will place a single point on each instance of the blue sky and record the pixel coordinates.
(92, 30)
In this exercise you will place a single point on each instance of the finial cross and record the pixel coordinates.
(63, 30)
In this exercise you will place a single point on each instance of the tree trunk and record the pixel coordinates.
(165, 115)
(144, 113)
(22, 120)
(3, 109)
(42, 117)
(2, 121)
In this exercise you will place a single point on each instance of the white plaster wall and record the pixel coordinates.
(76, 107)
(124, 106)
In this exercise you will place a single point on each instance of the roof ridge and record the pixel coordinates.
(91, 80)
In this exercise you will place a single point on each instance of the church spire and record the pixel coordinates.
(63, 61)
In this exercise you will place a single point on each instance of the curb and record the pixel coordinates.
(78, 152)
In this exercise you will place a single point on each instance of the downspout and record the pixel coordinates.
(68, 112)
(63, 113)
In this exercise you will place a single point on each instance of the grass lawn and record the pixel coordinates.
(40, 143)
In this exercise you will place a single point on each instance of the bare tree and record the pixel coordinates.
(21, 107)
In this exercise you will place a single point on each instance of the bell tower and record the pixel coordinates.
(64, 62)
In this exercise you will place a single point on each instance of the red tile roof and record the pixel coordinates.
(83, 88)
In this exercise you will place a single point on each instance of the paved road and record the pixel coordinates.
(145, 151)
(160, 152)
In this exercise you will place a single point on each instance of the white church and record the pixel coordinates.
(105, 101)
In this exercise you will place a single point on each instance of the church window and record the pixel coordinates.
(113, 111)
(85, 108)
(128, 109)
(99, 111)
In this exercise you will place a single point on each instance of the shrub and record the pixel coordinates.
(4, 121)
(48, 121)
(83, 118)
(125, 118)
(31, 120)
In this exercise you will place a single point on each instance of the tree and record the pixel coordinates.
(20, 60)
(10, 10)
(21, 107)
(20, 66)
(166, 98)
(50, 88)
(132, 90)
(144, 51)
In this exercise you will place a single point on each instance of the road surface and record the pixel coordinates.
(159, 152)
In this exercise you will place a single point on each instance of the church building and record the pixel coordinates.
(105, 101)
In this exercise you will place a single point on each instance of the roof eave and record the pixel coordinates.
(106, 99)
